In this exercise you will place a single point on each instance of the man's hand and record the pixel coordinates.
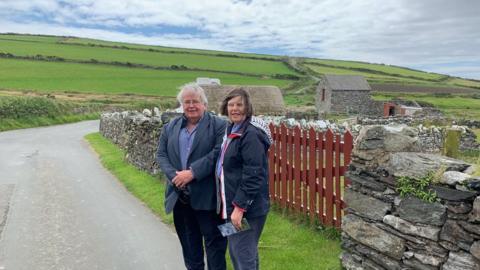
(236, 218)
(182, 178)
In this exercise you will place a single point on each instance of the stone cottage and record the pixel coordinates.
(346, 94)
(266, 100)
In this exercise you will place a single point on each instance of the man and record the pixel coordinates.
(186, 154)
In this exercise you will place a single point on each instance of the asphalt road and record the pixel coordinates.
(60, 209)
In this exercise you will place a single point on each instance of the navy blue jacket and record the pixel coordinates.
(245, 169)
(202, 158)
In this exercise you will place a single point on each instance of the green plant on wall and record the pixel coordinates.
(417, 187)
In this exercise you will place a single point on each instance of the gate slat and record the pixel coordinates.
(329, 178)
(320, 173)
(290, 168)
(304, 172)
(298, 195)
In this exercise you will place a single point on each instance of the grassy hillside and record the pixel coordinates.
(376, 73)
(393, 70)
(69, 64)
(95, 42)
(154, 59)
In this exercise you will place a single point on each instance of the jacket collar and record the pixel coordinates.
(240, 131)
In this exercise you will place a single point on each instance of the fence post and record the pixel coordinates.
(283, 161)
(271, 164)
(338, 191)
(347, 153)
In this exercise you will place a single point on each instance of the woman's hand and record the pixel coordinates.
(236, 217)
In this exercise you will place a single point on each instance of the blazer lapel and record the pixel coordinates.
(175, 141)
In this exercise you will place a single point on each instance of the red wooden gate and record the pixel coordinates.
(307, 170)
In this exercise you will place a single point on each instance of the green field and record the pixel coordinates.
(371, 77)
(464, 83)
(381, 68)
(156, 59)
(87, 41)
(104, 79)
(29, 38)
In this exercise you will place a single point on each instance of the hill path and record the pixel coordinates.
(60, 209)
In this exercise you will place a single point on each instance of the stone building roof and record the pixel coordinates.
(266, 100)
(347, 82)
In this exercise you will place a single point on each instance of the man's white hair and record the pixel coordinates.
(192, 88)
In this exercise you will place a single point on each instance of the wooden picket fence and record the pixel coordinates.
(306, 172)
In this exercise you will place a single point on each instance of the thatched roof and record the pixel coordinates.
(347, 82)
(266, 100)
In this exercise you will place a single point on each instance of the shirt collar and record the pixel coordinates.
(184, 120)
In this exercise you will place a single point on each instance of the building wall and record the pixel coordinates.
(346, 101)
(266, 100)
(355, 102)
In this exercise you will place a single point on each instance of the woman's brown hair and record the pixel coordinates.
(237, 92)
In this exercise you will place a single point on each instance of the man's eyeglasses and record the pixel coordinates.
(191, 102)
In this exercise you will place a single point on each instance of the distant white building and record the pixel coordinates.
(408, 110)
(208, 81)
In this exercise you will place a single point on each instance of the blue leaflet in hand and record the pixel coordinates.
(228, 229)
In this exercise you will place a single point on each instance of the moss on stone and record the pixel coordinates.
(452, 143)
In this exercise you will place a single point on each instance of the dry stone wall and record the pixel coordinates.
(431, 138)
(383, 230)
(136, 133)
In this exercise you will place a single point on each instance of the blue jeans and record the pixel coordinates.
(196, 228)
(243, 246)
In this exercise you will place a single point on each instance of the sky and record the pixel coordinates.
(441, 36)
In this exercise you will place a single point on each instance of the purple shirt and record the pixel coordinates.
(185, 141)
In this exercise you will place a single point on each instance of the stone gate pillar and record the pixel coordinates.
(383, 230)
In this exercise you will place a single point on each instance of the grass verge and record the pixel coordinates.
(286, 243)
(38, 121)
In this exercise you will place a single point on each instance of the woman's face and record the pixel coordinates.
(236, 110)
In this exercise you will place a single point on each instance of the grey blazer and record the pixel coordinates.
(202, 158)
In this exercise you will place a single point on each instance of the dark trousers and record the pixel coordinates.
(243, 246)
(196, 229)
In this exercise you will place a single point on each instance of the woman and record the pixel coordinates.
(242, 173)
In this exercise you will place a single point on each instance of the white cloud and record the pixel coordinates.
(408, 33)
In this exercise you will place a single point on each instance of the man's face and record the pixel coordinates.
(193, 106)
